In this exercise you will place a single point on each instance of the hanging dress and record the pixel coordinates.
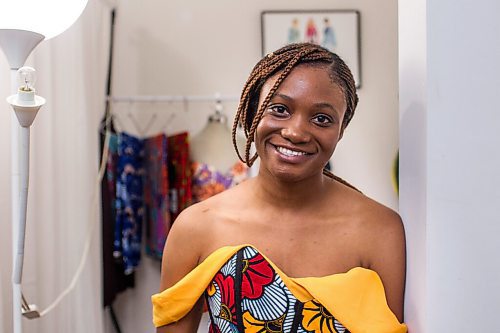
(114, 279)
(129, 201)
(156, 200)
(179, 172)
(207, 181)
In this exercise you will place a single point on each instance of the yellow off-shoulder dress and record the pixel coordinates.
(246, 292)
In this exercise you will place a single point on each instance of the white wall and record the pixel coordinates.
(413, 149)
(203, 47)
(450, 184)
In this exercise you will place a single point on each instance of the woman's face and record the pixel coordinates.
(301, 126)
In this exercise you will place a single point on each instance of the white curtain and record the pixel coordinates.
(71, 72)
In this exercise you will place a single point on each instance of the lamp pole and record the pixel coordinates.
(17, 45)
(15, 204)
(26, 105)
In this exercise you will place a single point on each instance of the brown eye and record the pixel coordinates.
(278, 110)
(323, 120)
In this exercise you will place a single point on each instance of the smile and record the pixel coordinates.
(289, 152)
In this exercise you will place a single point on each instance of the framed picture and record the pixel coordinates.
(337, 30)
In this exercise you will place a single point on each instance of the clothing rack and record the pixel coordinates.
(173, 98)
(153, 99)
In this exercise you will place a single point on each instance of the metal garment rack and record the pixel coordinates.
(217, 98)
(173, 98)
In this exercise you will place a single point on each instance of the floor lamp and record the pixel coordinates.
(23, 25)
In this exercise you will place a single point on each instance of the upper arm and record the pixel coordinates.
(181, 255)
(388, 259)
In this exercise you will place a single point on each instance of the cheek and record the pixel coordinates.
(264, 127)
(260, 133)
(330, 142)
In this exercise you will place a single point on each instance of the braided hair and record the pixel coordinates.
(283, 61)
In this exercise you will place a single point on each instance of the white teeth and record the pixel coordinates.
(288, 152)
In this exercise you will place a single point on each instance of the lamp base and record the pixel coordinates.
(31, 312)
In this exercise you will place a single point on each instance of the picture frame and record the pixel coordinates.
(337, 30)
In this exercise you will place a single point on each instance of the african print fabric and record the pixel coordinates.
(247, 295)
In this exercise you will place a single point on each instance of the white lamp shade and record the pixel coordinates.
(46, 17)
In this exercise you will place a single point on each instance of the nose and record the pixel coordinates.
(295, 130)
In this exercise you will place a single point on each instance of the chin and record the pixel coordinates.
(289, 176)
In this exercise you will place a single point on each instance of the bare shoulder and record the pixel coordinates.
(383, 246)
(193, 234)
(185, 243)
(381, 220)
(223, 205)
(199, 218)
(180, 256)
(377, 220)
(381, 227)
(386, 252)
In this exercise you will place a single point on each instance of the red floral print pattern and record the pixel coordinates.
(227, 289)
(257, 273)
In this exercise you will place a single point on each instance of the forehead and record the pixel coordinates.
(308, 83)
(314, 73)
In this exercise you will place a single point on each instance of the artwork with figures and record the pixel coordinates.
(337, 31)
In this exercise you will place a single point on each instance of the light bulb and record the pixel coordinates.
(25, 103)
(27, 78)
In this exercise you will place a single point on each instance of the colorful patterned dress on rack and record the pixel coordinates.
(208, 181)
(114, 279)
(156, 200)
(129, 201)
(179, 171)
(246, 292)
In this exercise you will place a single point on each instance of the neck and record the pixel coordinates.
(293, 195)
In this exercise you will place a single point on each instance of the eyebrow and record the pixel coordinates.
(288, 98)
(325, 105)
(316, 105)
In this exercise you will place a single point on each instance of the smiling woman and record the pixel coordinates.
(301, 126)
(295, 248)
